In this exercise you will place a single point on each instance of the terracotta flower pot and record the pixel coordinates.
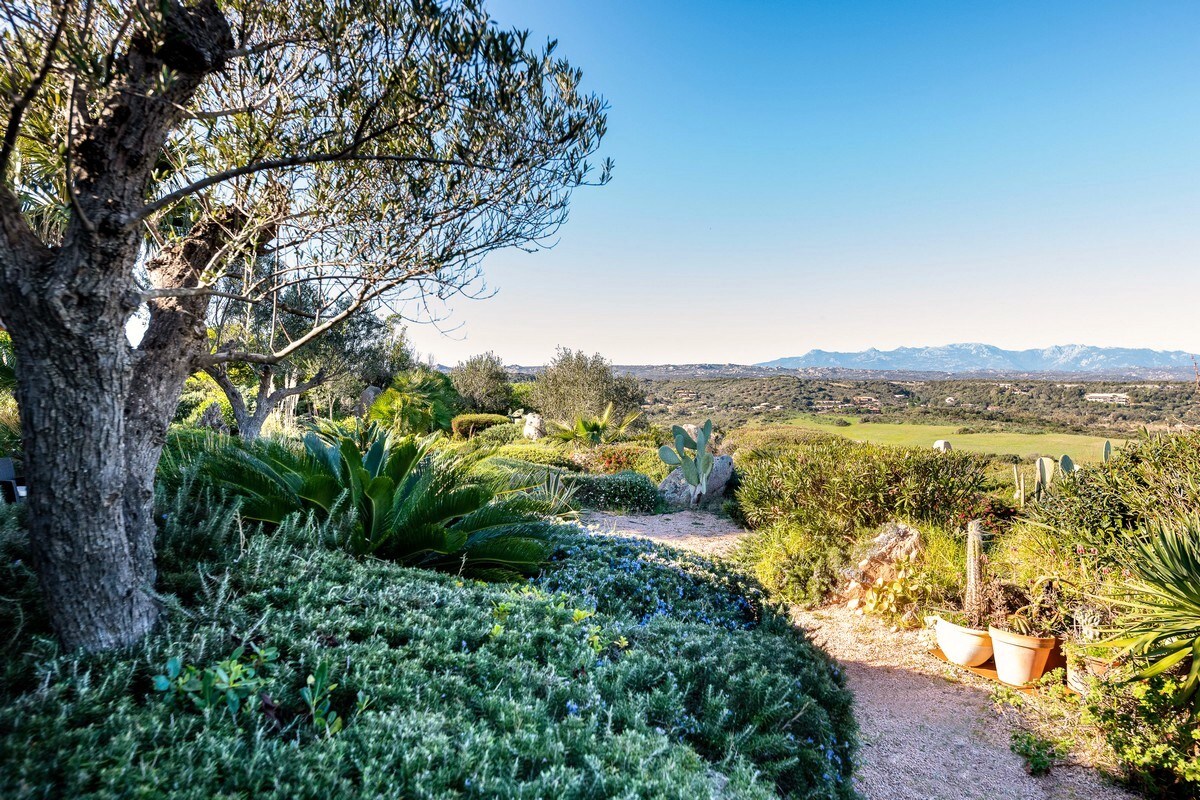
(1021, 659)
(961, 645)
(1080, 671)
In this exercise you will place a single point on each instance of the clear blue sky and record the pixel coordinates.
(842, 175)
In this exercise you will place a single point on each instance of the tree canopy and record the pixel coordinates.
(159, 155)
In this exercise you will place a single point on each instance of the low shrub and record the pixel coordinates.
(625, 491)
(621, 575)
(799, 563)
(625, 457)
(1156, 741)
(534, 453)
(626, 670)
(464, 426)
(500, 434)
(861, 484)
(1151, 478)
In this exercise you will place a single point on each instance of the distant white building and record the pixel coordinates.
(1112, 398)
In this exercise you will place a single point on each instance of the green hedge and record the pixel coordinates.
(628, 670)
(626, 457)
(859, 484)
(548, 455)
(464, 426)
(624, 491)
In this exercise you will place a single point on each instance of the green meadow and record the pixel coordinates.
(1081, 448)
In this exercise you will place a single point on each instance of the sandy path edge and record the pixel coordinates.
(927, 730)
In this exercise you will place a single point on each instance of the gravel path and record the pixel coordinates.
(926, 728)
(700, 531)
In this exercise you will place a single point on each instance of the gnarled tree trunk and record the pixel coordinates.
(68, 335)
(94, 412)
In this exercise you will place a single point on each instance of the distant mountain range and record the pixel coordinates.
(967, 358)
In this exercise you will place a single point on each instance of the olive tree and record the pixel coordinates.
(155, 155)
(482, 382)
(575, 384)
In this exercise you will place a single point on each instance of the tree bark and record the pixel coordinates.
(94, 416)
(71, 390)
(93, 412)
(175, 341)
(250, 423)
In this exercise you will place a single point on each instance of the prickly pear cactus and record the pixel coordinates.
(697, 465)
(1045, 476)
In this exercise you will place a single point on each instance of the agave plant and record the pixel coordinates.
(1162, 603)
(412, 504)
(595, 430)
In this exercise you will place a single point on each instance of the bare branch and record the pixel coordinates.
(282, 163)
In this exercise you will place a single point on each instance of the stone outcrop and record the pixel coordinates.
(535, 426)
(895, 545)
(677, 492)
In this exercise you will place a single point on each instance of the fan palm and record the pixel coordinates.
(418, 401)
(413, 504)
(1162, 603)
(593, 431)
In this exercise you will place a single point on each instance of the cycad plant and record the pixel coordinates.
(1162, 603)
(592, 431)
(411, 503)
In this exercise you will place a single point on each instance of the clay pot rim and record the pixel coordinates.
(1021, 640)
(974, 631)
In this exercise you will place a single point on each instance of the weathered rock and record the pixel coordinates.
(535, 426)
(213, 419)
(366, 400)
(677, 492)
(895, 544)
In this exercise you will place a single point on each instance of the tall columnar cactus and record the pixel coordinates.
(1018, 485)
(1107, 451)
(696, 468)
(973, 602)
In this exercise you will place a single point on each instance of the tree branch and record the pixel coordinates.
(288, 391)
(281, 163)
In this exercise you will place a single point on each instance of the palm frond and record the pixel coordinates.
(1161, 623)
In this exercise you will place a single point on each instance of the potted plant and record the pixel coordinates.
(1086, 662)
(963, 641)
(1031, 647)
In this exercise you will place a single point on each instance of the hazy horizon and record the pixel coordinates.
(823, 176)
(541, 362)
